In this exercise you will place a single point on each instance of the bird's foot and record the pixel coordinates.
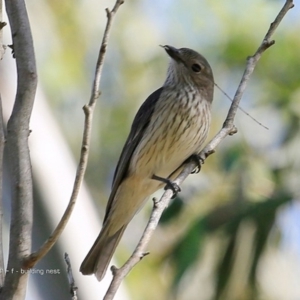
(198, 160)
(169, 184)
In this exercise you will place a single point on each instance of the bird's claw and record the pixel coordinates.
(174, 187)
(198, 160)
(169, 185)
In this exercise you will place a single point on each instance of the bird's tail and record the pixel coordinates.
(99, 257)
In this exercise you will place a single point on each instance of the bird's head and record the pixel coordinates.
(188, 67)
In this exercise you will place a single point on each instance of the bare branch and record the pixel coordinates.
(2, 24)
(227, 129)
(73, 287)
(17, 151)
(2, 141)
(88, 111)
(96, 86)
(252, 61)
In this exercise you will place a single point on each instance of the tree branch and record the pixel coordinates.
(73, 287)
(88, 111)
(2, 141)
(17, 151)
(227, 129)
(2, 24)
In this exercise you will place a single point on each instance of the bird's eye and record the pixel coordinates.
(196, 68)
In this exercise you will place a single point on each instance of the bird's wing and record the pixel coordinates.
(139, 125)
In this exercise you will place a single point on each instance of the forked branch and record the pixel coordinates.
(86, 139)
(228, 128)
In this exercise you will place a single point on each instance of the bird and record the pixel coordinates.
(169, 128)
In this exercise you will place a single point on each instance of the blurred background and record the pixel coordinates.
(234, 231)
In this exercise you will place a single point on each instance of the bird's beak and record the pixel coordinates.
(173, 52)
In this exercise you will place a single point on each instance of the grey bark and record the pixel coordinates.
(17, 152)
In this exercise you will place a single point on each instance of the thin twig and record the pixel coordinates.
(241, 109)
(73, 287)
(227, 129)
(88, 111)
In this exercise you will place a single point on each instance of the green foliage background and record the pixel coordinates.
(224, 222)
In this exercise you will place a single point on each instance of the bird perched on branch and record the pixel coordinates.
(170, 126)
